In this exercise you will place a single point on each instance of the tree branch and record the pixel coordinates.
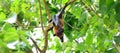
(36, 46)
(71, 2)
(41, 16)
(71, 26)
(114, 45)
(90, 9)
(47, 11)
(44, 31)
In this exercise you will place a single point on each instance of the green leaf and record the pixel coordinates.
(75, 10)
(117, 39)
(6, 26)
(84, 29)
(109, 4)
(33, 23)
(111, 51)
(20, 52)
(102, 6)
(80, 47)
(15, 6)
(117, 9)
(100, 42)
(58, 45)
(89, 38)
(64, 1)
(3, 47)
(58, 1)
(68, 50)
(11, 33)
(23, 37)
(25, 7)
(2, 16)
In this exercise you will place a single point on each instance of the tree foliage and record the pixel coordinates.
(91, 26)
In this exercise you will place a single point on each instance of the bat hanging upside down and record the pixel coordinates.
(58, 24)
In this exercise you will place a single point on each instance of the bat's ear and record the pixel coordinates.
(62, 39)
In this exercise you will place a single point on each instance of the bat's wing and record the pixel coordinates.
(55, 20)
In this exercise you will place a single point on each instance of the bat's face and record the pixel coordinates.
(58, 32)
(61, 37)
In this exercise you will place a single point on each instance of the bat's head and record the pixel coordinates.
(61, 37)
(60, 34)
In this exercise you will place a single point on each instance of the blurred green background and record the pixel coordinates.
(91, 26)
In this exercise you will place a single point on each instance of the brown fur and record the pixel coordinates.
(56, 29)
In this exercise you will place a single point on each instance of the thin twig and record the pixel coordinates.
(47, 10)
(36, 46)
(36, 49)
(71, 2)
(94, 11)
(91, 9)
(71, 26)
(114, 45)
(41, 16)
(76, 41)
